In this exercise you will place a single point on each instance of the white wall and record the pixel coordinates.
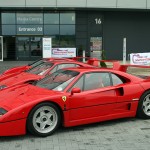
(129, 4)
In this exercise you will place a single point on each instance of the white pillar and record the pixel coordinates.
(124, 50)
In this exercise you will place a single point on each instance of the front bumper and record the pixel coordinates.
(12, 128)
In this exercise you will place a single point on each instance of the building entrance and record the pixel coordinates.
(9, 48)
(29, 48)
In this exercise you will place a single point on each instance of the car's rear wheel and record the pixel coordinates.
(43, 119)
(143, 110)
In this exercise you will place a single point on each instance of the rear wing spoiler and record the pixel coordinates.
(115, 64)
(126, 66)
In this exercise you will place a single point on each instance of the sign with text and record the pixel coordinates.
(96, 47)
(47, 47)
(29, 29)
(29, 18)
(140, 58)
(64, 52)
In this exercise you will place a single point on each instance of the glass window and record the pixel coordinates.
(67, 41)
(67, 35)
(116, 80)
(51, 18)
(51, 29)
(8, 18)
(36, 46)
(66, 66)
(30, 29)
(58, 80)
(78, 84)
(23, 46)
(29, 18)
(40, 69)
(8, 30)
(55, 41)
(67, 18)
(96, 80)
(67, 29)
(1, 44)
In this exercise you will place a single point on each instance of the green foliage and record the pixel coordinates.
(103, 56)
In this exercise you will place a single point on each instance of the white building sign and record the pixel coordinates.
(140, 58)
(64, 52)
(47, 47)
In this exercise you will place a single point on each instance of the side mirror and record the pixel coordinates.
(75, 90)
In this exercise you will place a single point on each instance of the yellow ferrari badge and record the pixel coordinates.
(64, 98)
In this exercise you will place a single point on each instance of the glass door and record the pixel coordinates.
(36, 46)
(1, 48)
(29, 48)
(23, 48)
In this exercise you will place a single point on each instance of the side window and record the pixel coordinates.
(96, 80)
(53, 70)
(78, 84)
(65, 66)
(117, 80)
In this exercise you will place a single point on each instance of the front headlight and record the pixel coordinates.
(2, 87)
(2, 111)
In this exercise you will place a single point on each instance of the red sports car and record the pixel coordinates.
(70, 97)
(36, 72)
(19, 69)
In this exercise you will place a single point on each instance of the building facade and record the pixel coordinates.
(90, 25)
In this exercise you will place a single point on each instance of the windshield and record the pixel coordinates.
(36, 63)
(58, 81)
(41, 68)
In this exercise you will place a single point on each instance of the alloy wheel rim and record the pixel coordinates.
(45, 119)
(146, 105)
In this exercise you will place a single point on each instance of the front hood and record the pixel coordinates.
(20, 78)
(19, 95)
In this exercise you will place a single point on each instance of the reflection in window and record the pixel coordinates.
(36, 46)
(67, 41)
(78, 84)
(116, 80)
(8, 18)
(67, 36)
(96, 80)
(8, 30)
(29, 18)
(55, 41)
(67, 30)
(58, 81)
(67, 18)
(51, 18)
(40, 69)
(23, 47)
(51, 29)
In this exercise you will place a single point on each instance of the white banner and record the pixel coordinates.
(140, 58)
(47, 47)
(64, 52)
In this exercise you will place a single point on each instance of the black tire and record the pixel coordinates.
(44, 115)
(144, 103)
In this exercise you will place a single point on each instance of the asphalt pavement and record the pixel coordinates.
(121, 134)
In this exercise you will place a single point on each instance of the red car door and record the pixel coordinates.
(93, 103)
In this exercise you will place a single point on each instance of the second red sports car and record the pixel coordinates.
(38, 71)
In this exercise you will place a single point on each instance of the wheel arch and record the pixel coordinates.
(139, 112)
(48, 101)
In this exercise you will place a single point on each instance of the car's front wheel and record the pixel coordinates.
(43, 119)
(143, 110)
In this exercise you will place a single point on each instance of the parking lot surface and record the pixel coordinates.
(121, 134)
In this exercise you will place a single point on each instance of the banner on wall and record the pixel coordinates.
(140, 58)
(47, 47)
(63, 52)
(96, 47)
